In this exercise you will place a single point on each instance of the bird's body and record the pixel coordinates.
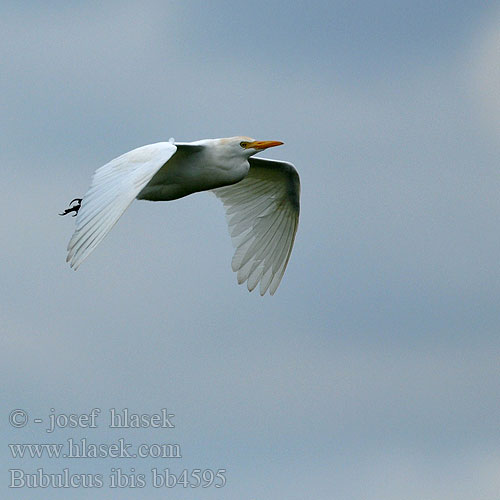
(261, 198)
(195, 166)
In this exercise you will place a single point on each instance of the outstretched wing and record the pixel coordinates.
(114, 187)
(262, 212)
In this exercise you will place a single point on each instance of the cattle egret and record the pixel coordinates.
(260, 196)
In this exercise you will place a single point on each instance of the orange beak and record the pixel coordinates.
(261, 145)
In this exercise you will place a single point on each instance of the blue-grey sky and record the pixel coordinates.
(374, 371)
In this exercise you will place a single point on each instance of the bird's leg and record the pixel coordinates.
(74, 208)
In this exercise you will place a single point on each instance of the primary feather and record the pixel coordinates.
(262, 212)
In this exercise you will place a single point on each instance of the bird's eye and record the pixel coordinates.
(243, 144)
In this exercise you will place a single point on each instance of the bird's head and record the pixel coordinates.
(247, 146)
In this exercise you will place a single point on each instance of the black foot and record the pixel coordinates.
(74, 208)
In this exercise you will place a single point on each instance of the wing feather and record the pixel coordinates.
(114, 187)
(262, 212)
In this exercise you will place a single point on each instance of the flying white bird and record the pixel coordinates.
(261, 198)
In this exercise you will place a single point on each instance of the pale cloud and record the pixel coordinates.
(483, 72)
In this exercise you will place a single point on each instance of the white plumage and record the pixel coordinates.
(261, 198)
